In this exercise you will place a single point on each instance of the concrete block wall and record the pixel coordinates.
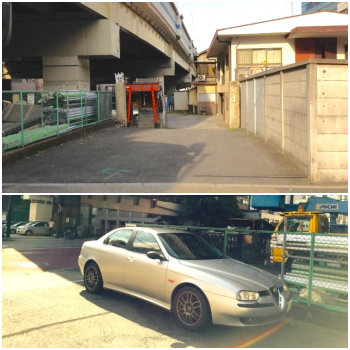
(302, 109)
(295, 121)
(332, 122)
(259, 109)
(273, 110)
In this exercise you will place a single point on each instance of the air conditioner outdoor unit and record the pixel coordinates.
(201, 77)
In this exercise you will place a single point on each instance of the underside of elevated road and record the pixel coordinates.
(102, 38)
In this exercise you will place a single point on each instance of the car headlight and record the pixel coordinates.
(246, 295)
(285, 287)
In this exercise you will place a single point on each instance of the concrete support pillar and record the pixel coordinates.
(234, 96)
(120, 98)
(66, 73)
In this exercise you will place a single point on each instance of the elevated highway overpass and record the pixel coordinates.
(79, 45)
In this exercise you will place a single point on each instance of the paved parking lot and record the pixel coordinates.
(48, 307)
(52, 309)
(196, 154)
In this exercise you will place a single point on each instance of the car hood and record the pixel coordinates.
(247, 276)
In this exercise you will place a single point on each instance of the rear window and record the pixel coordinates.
(119, 238)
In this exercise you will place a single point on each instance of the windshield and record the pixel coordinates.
(295, 224)
(31, 223)
(189, 247)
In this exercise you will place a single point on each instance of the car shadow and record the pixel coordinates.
(162, 321)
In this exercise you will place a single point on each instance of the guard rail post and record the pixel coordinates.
(57, 115)
(311, 269)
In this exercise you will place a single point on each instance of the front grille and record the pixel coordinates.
(274, 293)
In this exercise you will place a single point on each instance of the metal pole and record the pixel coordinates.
(311, 269)
(57, 114)
(22, 121)
(81, 108)
(283, 255)
(225, 241)
(58, 215)
(9, 217)
(98, 107)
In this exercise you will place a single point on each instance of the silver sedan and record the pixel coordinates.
(184, 274)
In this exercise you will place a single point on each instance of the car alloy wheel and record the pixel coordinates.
(92, 278)
(29, 233)
(191, 309)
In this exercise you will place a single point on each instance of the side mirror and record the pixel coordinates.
(154, 256)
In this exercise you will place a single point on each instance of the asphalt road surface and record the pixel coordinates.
(44, 304)
(196, 154)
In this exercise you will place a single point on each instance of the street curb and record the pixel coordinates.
(15, 155)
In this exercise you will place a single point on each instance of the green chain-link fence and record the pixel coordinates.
(315, 266)
(29, 116)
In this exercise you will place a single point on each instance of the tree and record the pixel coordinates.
(210, 211)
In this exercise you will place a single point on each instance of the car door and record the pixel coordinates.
(39, 228)
(111, 259)
(142, 274)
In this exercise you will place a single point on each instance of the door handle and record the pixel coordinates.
(130, 258)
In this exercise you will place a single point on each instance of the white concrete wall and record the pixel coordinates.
(273, 110)
(332, 122)
(180, 100)
(39, 211)
(302, 109)
(295, 115)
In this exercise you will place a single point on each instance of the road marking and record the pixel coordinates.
(48, 248)
(32, 264)
(113, 172)
(48, 285)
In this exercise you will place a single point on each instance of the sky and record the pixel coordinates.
(203, 18)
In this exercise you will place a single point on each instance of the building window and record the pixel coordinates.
(89, 196)
(205, 97)
(251, 61)
(136, 201)
(118, 199)
(153, 202)
(105, 198)
(207, 69)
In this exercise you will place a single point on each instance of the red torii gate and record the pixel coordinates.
(152, 87)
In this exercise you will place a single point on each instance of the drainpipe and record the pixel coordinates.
(236, 67)
(216, 85)
(229, 63)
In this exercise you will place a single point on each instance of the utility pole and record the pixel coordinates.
(9, 217)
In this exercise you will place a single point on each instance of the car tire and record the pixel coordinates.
(93, 278)
(191, 309)
(13, 231)
(28, 233)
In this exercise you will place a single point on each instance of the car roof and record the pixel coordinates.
(157, 230)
